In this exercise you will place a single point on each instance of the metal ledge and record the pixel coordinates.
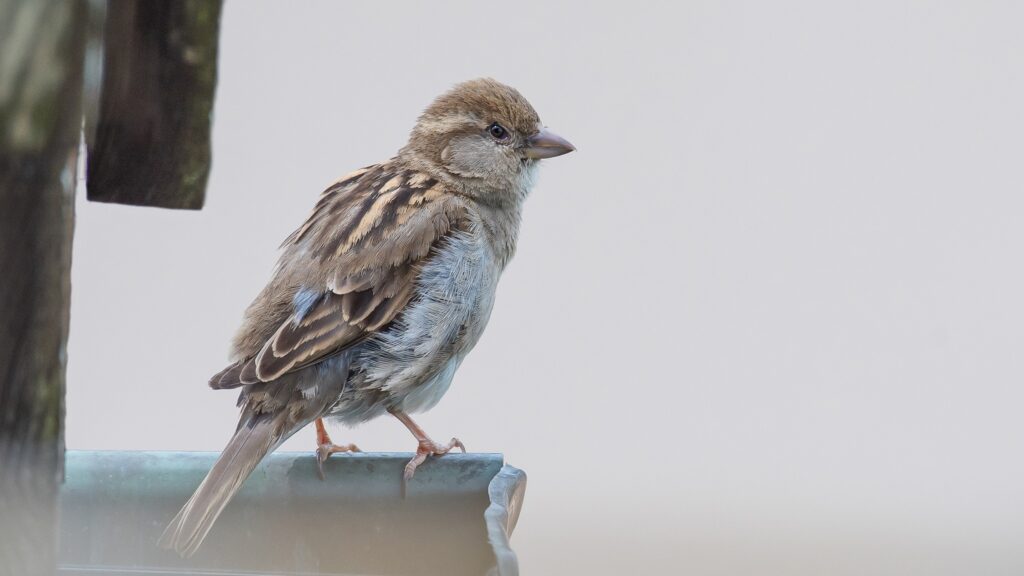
(285, 520)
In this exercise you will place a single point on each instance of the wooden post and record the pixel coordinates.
(41, 56)
(151, 147)
(152, 140)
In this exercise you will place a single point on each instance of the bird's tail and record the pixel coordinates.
(255, 438)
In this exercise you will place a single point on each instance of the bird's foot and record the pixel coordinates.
(324, 451)
(428, 447)
(324, 447)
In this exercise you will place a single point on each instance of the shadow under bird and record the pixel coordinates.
(382, 292)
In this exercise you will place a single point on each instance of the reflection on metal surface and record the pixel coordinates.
(285, 520)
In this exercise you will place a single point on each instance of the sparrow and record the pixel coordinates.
(382, 292)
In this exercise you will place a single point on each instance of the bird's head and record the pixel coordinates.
(486, 134)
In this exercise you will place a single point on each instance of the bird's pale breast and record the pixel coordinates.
(411, 364)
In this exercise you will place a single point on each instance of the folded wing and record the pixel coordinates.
(369, 235)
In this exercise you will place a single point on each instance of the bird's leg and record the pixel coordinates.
(426, 447)
(324, 446)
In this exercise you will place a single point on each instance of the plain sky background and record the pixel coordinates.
(768, 319)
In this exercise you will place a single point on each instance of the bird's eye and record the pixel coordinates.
(497, 131)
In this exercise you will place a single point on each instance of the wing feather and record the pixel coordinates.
(367, 239)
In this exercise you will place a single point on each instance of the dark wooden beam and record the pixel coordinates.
(152, 138)
(41, 55)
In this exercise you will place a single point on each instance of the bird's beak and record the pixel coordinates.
(546, 144)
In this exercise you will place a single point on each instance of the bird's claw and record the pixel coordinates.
(427, 448)
(324, 451)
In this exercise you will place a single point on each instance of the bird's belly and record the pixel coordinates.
(411, 365)
(426, 395)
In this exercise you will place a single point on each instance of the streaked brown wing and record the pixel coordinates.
(369, 234)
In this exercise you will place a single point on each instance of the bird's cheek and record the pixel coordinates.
(467, 158)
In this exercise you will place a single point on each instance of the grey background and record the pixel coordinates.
(767, 319)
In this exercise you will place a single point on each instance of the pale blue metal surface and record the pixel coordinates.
(285, 520)
(506, 492)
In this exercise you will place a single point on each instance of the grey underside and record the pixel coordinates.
(285, 520)
(410, 365)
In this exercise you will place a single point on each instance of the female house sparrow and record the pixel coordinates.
(382, 292)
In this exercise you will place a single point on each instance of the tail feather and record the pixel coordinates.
(253, 440)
